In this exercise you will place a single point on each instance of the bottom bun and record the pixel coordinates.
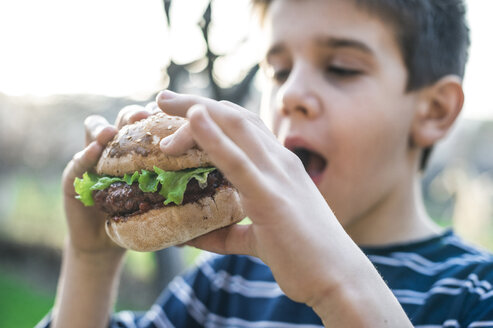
(173, 225)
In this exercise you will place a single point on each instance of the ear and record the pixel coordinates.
(439, 106)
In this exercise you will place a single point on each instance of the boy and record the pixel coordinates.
(358, 90)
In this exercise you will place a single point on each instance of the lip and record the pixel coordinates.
(292, 142)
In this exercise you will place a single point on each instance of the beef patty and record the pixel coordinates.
(121, 200)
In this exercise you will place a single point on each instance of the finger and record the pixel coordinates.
(245, 133)
(224, 153)
(153, 108)
(131, 114)
(244, 128)
(234, 239)
(97, 128)
(178, 104)
(82, 162)
(86, 159)
(249, 116)
(232, 105)
(223, 112)
(179, 142)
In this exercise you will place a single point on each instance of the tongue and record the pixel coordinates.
(315, 165)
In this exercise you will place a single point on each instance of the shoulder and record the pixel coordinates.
(439, 279)
(463, 290)
(433, 262)
(446, 254)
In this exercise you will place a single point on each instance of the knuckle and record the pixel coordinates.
(237, 111)
(236, 121)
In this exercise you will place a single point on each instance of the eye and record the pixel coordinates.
(281, 76)
(343, 71)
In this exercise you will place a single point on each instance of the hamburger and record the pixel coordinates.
(153, 200)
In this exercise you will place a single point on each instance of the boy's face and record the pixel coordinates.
(337, 98)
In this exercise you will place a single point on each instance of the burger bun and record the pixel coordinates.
(136, 148)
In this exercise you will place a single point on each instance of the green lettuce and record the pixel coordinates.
(173, 183)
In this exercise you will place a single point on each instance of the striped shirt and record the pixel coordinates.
(440, 282)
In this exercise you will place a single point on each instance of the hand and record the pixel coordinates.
(293, 229)
(86, 224)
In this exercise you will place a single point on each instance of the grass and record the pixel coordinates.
(20, 305)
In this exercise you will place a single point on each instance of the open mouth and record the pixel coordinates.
(313, 162)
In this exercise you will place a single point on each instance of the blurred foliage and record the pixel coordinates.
(21, 305)
(141, 265)
(33, 210)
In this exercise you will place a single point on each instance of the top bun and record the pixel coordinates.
(136, 147)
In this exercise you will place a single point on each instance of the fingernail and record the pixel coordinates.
(166, 95)
(165, 141)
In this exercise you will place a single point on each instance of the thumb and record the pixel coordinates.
(233, 239)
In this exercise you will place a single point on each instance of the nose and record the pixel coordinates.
(298, 95)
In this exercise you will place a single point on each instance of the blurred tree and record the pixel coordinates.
(177, 73)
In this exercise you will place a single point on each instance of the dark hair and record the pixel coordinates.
(433, 37)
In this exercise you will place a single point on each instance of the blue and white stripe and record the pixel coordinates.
(440, 283)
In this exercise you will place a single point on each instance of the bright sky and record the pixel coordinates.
(118, 47)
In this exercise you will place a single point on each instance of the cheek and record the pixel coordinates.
(366, 166)
(371, 141)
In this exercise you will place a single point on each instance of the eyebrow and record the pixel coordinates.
(344, 43)
(330, 42)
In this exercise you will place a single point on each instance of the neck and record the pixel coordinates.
(398, 218)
